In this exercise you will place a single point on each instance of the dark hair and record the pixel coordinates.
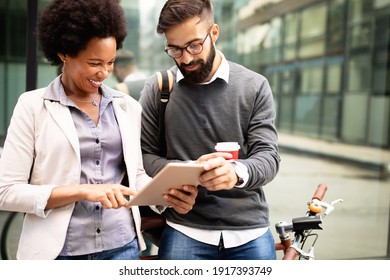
(175, 12)
(66, 26)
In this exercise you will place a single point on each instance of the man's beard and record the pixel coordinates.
(201, 74)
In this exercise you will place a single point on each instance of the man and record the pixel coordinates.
(213, 100)
(131, 80)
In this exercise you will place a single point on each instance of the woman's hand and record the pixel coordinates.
(109, 195)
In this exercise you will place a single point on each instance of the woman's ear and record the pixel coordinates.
(62, 57)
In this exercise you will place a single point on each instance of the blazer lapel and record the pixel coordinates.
(63, 118)
(124, 116)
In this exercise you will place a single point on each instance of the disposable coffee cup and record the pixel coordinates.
(228, 147)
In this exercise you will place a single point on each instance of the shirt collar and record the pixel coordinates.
(222, 72)
(58, 93)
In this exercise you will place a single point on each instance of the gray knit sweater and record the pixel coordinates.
(199, 116)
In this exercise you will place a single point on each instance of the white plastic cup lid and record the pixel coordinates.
(227, 146)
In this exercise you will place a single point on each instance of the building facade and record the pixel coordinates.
(327, 62)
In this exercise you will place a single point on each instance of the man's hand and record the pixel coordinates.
(220, 173)
(182, 200)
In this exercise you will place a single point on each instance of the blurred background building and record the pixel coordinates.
(327, 60)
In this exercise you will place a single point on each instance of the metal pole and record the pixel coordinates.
(31, 41)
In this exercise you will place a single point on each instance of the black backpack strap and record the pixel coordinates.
(165, 85)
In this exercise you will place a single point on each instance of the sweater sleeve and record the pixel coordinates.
(263, 156)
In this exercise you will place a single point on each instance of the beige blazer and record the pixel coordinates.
(42, 151)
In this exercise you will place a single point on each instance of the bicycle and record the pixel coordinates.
(302, 227)
(8, 241)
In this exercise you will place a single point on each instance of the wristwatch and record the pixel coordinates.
(239, 173)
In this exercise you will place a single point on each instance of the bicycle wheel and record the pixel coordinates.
(10, 235)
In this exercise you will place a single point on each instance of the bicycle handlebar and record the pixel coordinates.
(320, 192)
(290, 254)
(290, 251)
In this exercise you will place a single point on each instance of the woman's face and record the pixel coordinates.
(85, 72)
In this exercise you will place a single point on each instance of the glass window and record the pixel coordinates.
(360, 36)
(2, 30)
(336, 25)
(354, 114)
(359, 10)
(289, 52)
(290, 36)
(313, 22)
(291, 28)
(336, 13)
(333, 82)
(382, 30)
(286, 110)
(312, 48)
(288, 82)
(358, 72)
(312, 33)
(381, 72)
(273, 36)
(378, 120)
(16, 24)
(311, 80)
(381, 3)
(307, 115)
(330, 117)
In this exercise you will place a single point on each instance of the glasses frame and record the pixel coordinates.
(188, 45)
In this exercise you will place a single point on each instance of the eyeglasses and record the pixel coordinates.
(191, 48)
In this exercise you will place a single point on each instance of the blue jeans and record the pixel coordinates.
(176, 246)
(128, 252)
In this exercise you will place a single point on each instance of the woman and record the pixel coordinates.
(72, 152)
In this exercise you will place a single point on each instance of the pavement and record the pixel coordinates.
(368, 157)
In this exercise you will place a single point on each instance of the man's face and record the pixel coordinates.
(202, 67)
(195, 68)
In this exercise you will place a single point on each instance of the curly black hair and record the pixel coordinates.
(66, 26)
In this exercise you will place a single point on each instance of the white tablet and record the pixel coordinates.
(173, 175)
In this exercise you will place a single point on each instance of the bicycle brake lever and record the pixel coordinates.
(328, 207)
(309, 255)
